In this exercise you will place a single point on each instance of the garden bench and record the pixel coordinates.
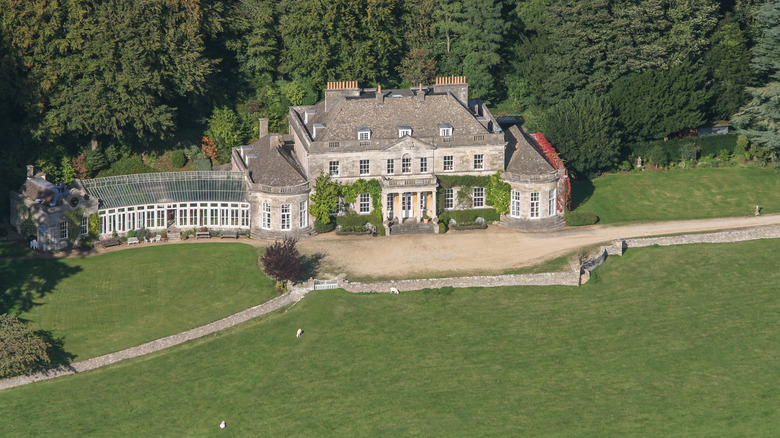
(132, 240)
(157, 238)
(202, 234)
(232, 234)
(111, 242)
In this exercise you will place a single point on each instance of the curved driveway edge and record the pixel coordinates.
(159, 344)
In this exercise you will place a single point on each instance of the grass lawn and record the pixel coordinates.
(105, 303)
(691, 352)
(679, 194)
(14, 248)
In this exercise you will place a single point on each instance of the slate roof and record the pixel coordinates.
(274, 166)
(38, 188)
(424, 117)
(526, 158)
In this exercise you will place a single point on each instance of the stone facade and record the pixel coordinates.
(403, 139)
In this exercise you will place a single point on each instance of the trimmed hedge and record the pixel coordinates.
(353, 219)
(324, 228)
(675, 149)
(128, 166)
(580, 218)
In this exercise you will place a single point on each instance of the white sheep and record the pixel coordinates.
(222, 425)
(300, 332)
(393, 290)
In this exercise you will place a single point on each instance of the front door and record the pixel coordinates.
(406, 205)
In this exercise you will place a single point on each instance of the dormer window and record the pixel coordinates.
(445, 130)
(315, 128)
(404, 130)
(364, 133)
(308, 114)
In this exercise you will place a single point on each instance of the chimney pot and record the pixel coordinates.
(30, 171)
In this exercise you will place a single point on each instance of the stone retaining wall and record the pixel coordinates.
(720, 237)
(291, 297)
(545, 279)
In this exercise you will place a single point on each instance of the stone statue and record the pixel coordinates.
(758, 210)
(638, 162)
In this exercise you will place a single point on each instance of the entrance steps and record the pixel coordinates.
(174, 235)
(411, 227)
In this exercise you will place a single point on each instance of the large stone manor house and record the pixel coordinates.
(402, 138)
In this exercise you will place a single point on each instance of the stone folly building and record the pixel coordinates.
(44, 206)
(403, 139)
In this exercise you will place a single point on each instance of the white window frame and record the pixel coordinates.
(390, 166)
(449, 199)
(406, 165)
(445, 131)
(404, 131)
(286, 216)
(478, 197)
(364, 134)
(533, 202)
(334, 168)
(449, 163)
(365, 167)
(266, 210)
(479, 162)
(551, 204)
(515, 203)
(304, 210)
(364, 205)
(63, 226)
(423, 164)
(84, 225)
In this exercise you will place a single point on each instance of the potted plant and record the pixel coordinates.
(425, 218)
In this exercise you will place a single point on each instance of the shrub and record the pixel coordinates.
(201, 163)
(178, 159)
(580, 218)
(442, 228)
(488, 214)
(128, 166)
(625, 166)
(23, 351)
(724, 155)
(688, 152)
(323, 228)
(658, 156)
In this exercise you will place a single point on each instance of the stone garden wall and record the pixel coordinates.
(575, 277)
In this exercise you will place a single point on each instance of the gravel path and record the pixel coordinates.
(485, 252)
(290, 297)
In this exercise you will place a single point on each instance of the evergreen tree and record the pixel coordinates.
(729, 63)
(654, 104)
(759, 119)
(469, 36)
(584, 130)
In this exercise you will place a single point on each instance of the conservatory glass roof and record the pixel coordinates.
(155, 188)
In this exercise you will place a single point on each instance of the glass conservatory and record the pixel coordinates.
(159, 200)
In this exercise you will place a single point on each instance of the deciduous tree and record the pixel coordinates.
(282, 261)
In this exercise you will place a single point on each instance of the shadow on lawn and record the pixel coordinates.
(310, 264)
(581, 191)
(24, 281)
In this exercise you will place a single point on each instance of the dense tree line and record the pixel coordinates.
(85, 83)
